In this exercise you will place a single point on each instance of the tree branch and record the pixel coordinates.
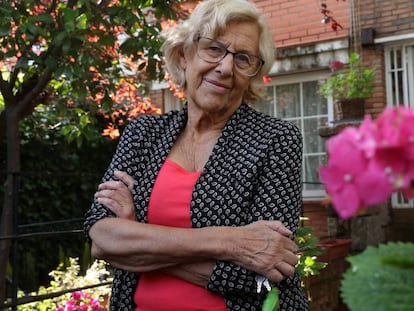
(28, 102)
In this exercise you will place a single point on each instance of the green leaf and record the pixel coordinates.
(271, 302)
(5, 30)
(82, 22)
(43, 17)
(70, 19)
(51, 62)
(384, 275)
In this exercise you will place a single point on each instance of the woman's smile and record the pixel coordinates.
(218, 86)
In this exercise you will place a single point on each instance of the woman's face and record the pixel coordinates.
(217, 88)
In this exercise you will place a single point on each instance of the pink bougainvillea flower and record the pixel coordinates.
(366, 164)
(351, 174)
(396, 143)
(340, 186)
(70, 306)
(390, 124)
(77, 295)
(83, 307)
(368, 136)
(343, 146)
(345, 162)
(374, 185)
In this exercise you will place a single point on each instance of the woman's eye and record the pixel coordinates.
(215, 49)
(243, 58)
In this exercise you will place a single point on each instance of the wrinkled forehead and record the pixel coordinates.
(215, 30)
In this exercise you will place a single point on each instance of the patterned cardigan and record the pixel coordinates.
(253, 173)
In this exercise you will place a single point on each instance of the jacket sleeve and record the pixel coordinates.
(121, 160)
(277, 196)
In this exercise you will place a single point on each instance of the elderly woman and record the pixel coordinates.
(198, 204)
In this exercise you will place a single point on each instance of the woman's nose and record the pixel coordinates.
(226, 65)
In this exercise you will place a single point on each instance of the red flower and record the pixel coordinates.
(267, 79)
(336, 64)
(335, 26)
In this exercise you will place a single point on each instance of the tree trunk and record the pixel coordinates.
(11, 194)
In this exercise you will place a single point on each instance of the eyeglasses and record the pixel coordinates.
(212, 51)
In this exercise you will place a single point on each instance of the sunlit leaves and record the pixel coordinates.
(88, 46)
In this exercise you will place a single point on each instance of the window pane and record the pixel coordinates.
(313, 103)
(288, 101)
(267, 103)
(400, 82)
(313, 142)
(301, 104)
(311, 180)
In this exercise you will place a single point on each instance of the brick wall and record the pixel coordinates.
(317, 215)
(374, 58)
(296, 22)
(387, 17)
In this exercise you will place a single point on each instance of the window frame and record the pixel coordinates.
(406, 49)
(298, 78)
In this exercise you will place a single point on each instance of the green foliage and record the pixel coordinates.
(381, 278)
(74, 55)
(308, 263)
(69, 277)
(74, 126)
(355, 81)
(57, 184)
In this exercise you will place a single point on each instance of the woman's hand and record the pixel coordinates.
(117, 195)
(265, 247)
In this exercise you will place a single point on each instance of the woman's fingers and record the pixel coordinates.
(278, 227)
(265, 247)
(117, 195)
(126, 179)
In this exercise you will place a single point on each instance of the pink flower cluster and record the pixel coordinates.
(81, 301)
(367, 164)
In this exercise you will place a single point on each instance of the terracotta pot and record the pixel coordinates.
(323, 289)
(349, 109)
(334, 249)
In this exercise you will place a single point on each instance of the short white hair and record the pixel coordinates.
(210, 18)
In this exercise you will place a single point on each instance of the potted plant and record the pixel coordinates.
(349, 86)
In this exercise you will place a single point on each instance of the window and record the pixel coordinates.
(297, 99)
(399, 69)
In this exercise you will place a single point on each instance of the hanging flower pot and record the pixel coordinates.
(348, 86)
(349, 109)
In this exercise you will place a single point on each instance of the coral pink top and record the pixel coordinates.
(169, 205)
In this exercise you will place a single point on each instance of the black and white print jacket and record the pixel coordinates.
(253, 173)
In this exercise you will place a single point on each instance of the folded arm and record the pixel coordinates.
(139, 247)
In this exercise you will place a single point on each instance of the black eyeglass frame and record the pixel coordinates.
(197, 38)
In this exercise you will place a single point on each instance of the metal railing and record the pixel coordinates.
(67, 227)
(14, 301)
